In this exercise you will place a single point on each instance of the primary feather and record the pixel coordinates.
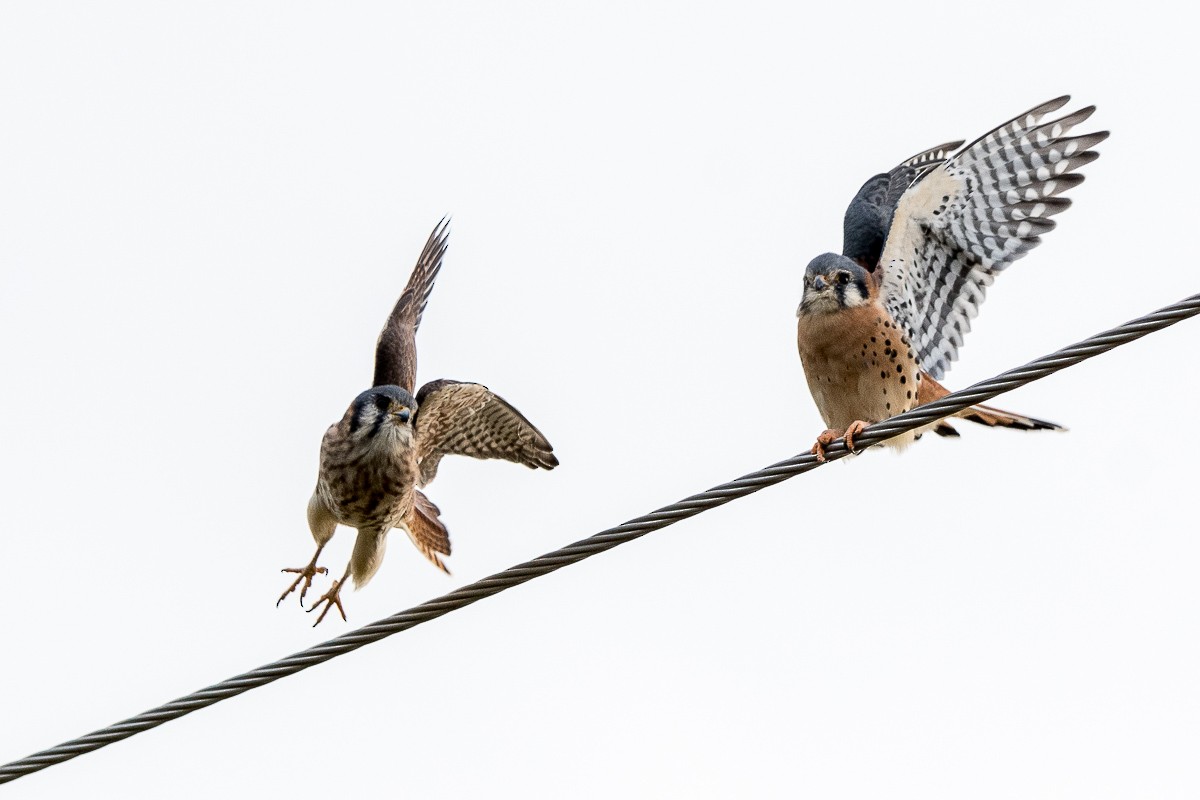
(966, 220)
(396, 351)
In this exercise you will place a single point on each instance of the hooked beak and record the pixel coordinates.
(819, 284)
(402, 414)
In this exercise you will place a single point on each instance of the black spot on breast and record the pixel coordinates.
(872, 340)
(903, 380)
(882, 374)
(908, 394)
(899, 368)
(888, 406)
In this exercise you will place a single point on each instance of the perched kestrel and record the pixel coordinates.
(880, 324)
(388, 443)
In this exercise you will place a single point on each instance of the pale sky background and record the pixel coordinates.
(207, 211)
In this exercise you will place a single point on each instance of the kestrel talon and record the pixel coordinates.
(879, 325)
(389, 443)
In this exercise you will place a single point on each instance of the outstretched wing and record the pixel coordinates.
(467, 419)
(396, 352)
(971, 217)
(426, 531)
(869, 215)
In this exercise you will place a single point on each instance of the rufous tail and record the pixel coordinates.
(984, 415)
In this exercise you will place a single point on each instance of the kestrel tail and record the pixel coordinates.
(389, 443)
(880, 324)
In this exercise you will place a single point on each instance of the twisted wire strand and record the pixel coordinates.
(605, 540)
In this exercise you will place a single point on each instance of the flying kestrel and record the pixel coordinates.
(389, 443)
(879, 325)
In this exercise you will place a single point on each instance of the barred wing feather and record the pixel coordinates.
(973, 215)
(456, 418)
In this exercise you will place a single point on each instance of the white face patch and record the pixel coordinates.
(838, 290)
(852, 295)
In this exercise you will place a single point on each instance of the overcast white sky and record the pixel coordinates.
(206, 212)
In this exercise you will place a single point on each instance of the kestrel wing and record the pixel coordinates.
(467, 419)
(972, 216)
(869, 215)
(425, 529)
(396, 352)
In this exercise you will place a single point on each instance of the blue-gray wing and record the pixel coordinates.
(869, 215)
(396, 352)
(973, 215)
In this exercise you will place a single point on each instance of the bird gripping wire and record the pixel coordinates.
(605, 540)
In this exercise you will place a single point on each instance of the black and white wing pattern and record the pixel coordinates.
(869, 215)
(966, 220)
(467, 419)
(396, 352)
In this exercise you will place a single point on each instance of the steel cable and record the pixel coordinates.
(605, 540)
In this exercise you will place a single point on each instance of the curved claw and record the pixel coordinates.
(827, 437)
(305, 574)
(856, 427)
(330, 599)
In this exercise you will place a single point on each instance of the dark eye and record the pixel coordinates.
(382, 403)
(843, 278)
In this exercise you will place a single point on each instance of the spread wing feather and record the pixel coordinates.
(396, 352)
(455, 418)
(971, 216)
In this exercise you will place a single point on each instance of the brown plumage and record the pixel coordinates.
(424, 527)
(467, 419)
(388, 443)
(396, 350)
(861, 367)
(880, 322)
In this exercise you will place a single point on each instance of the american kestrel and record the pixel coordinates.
(388, 443)
(880, 324)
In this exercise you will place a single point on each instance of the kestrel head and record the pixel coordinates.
(386, 410)
(833, 282)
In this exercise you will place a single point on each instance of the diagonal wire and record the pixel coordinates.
(605, 540)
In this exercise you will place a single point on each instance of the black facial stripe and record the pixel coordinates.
(379, 420)
(356, 419)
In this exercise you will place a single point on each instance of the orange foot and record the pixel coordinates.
(305, 574)
(330, 599)
(824, 440)
(830, 436)
(856, 427)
